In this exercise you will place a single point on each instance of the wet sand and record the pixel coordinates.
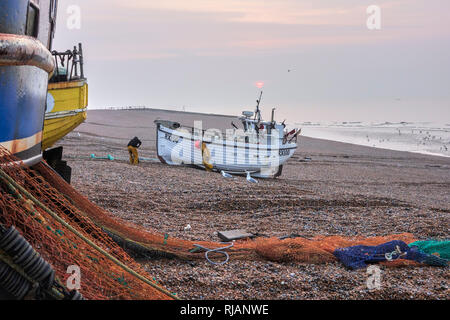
(344, 190)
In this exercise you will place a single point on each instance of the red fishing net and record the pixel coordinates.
(101, 278)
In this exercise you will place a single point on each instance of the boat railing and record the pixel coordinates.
(213, 134)
(69, 65)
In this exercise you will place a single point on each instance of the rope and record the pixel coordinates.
(108, 157)
(389, 255)
(7, 178)
(218, 250)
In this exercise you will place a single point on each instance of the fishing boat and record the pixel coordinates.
(259, 148)
(67, 97)
(27, 29)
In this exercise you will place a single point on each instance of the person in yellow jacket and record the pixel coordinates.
(133, 145)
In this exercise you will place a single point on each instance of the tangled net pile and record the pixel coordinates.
(102, 278)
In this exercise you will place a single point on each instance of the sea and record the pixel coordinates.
(420, 137)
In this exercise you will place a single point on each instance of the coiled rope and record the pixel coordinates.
(217, 250)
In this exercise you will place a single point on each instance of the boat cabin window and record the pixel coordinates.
(32, 28)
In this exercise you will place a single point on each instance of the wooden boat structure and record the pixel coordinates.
(260, 148)
(67, 96)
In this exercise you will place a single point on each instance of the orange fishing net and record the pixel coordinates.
(317, 250)
(101, 277)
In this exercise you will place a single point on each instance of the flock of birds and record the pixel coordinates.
(428, 138)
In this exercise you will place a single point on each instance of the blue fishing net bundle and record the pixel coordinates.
(358, 257)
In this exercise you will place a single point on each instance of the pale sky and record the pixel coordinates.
(207, 55)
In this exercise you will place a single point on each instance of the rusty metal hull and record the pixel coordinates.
(25, 66)
(18, 50)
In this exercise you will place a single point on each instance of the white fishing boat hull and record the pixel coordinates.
(180, 146)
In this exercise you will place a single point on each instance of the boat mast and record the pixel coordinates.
(258, 112)
(80, 57)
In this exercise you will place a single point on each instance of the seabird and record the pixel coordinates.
(250, 179)
(225, 174)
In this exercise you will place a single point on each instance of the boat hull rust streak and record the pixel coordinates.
(20, 145)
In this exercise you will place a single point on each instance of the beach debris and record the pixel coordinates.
(112, 158)
(187, 228)
(226, 174)
(232, 235)
(250, 179)
(291, 236)
(217, 250)
(108, 157)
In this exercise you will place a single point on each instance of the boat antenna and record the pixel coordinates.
(258, 112)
